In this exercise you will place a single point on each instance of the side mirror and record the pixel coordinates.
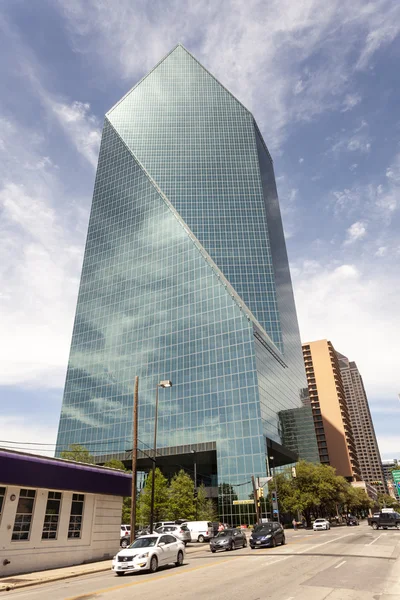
(161, 544)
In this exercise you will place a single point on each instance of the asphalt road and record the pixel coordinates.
(345, 563)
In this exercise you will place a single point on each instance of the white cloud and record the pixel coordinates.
(20, 428)
(39, 265)
(356, 232)
(79, 125)
(382, 251)
(350, 101)
(357, 140)
(356, 307)
(250, 47)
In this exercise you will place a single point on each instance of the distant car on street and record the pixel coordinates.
(125, 530)
(320, 524)
(267, 535)
(148, 553)
(179, 531)
(350, 521)
(228, 539)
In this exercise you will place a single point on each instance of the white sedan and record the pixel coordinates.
(148, 553)
(321, 524)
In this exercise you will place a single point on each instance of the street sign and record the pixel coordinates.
(396, 479)
(236, 502)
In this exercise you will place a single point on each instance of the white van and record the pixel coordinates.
(200, 531)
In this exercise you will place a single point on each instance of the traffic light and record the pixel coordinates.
(274, 496)
(260, 493)
(376, 482)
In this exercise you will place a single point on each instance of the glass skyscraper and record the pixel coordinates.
(185, 277)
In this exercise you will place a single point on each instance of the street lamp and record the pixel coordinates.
(195, 477)
(163, 384)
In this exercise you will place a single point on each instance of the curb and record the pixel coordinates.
(4, 587)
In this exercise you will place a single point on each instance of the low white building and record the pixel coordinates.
(56, 513)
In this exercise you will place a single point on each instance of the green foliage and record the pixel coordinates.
(126, 510)
(386, 501)
(115, 464)
(316, 491)
(357, 500)
(161, 499)
(78, 453)
(181, 497)
(206, 509)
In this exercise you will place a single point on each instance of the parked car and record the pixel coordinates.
(125, 541)
(385, 520)
(179, 531)
(350, 521)
(228, 539)
(162, 523)
(125, 530)
(321, 524)
(268, 534)
(200, 531)
(148, 553)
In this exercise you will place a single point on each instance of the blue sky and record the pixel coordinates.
(322, 81)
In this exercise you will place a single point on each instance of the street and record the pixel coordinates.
(341, 564)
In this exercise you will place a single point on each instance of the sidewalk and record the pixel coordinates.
(38, 577)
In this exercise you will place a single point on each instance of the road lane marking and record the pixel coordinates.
(177, 572)
(340, 564)
(149, 579)
(373, 541)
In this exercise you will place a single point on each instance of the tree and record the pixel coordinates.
(161, 499)
(78, 453)
(315, 491)
(206, 509)
(357, 500)
(386, 501)
(181, 497)
(115, 464)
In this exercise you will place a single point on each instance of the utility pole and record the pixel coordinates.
(253, 481)
(134, 457)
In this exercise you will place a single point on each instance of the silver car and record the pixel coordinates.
(181, 532)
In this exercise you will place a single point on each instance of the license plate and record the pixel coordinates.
(258, 542)
(124, 567)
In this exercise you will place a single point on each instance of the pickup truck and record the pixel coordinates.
(384, 520)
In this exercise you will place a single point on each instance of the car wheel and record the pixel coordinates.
(283, 540)
(375, 526)
(153, 564)
(213, 551)
(124, 544)
(273, 543)
(179, 559)
(119, 573)
(200, 539)
(245, 544)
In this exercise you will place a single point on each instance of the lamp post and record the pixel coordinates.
(163, 384)
(274, 492)
(195, 477)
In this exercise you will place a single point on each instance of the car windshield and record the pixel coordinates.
(263, 529)
(144, 542)
(225, 533)
(320, 520)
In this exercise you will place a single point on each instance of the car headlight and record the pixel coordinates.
(145, 555)
(266, 537)
(114, 557)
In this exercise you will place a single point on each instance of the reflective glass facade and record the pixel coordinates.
(185, 277)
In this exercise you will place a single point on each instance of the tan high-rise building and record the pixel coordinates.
(361, 422)
(331, 415)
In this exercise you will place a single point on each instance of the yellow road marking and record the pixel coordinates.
(156, 578)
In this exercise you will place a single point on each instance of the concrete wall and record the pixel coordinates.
(99, 540)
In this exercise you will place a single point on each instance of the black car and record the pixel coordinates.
(267, 535)
(352, 521)
(228, 539)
